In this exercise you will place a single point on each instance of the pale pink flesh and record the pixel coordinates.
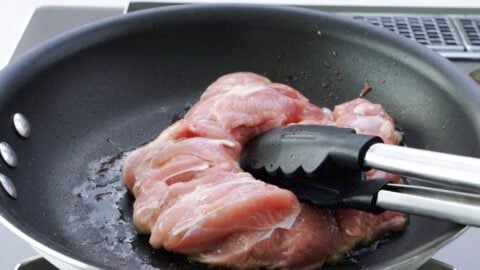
(245, 110)
(305, 245)
(222, 210)
(193, 198)
(367, 118)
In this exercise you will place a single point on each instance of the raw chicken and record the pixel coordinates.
(366, 118)
(228, 204)
(241, 105)
(358, 226)
(193, 198)
(306, 245)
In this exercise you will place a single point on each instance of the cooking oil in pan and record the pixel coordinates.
(109, 213)
(107, 200)
(107, 224)
(102, 194)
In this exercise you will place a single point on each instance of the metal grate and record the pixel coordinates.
(469, 29)
(453, 36)
(435, 32)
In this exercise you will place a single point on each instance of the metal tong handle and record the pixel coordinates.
(439, 168)
(454, 206)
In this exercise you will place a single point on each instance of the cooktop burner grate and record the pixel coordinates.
(469, 29)
(435, 32)
(453, 36)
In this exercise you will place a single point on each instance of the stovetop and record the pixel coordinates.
(455, 35)
(39, 263)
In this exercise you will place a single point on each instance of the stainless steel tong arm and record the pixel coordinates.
(440, 168)
(454, 206)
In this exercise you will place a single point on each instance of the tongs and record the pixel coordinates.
(325, 166)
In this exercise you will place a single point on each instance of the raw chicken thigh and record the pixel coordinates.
(193, 198)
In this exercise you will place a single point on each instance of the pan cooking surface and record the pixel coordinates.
(109, 216)
(107, 219)
(94, 95)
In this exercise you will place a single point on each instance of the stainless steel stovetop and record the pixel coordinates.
(455, 35)
(39, 263)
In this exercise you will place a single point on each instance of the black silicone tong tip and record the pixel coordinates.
(320, 164)
(305, 150)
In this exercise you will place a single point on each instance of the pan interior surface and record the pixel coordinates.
(96, 94)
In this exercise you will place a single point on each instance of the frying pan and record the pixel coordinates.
(102, 90)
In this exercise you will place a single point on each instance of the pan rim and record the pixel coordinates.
(46, 250)
(39, 246)
(66, 39)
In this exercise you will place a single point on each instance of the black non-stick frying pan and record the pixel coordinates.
(102, 90)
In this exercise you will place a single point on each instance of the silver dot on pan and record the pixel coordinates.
(8, 155)
(8, 186)
(21, 125)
